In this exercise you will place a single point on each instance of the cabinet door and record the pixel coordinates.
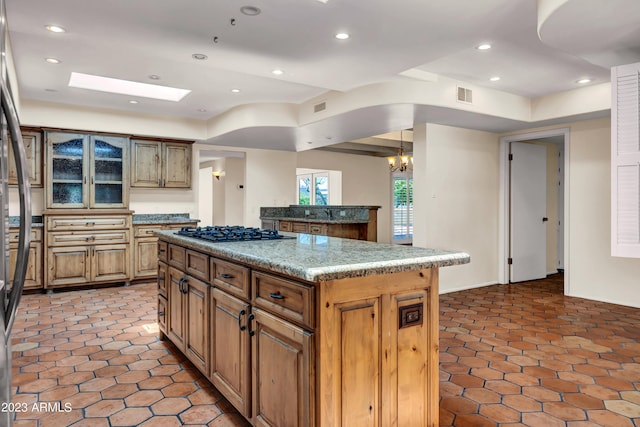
(230, 362)
(282, 357)
(197, 318)
(177, 165)
(177, 308)
(162, 316)
(145, 257)
(33, 148)
(146, 168)
(163, 278)
(33, 278)
(110, 262)
(67, 266)
(67, 170)
(109, 172)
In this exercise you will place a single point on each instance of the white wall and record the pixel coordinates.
(365, 181)
(270, 180)
(456, 187)
(205, 196)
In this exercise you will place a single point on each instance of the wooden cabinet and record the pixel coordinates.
(33, 277)
(33, 149)
(188, 302)
(163, 305)
(230, 355)
(145, 247)
(283, 380)
(86, 171)
(88, 248)
(177, 324)
(159, 164)
(358, 231)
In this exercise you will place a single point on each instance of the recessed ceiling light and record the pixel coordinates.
(484, 46)
(52, 60)
(55, 29)
(51, 90)
(250, 10)
(199, 56)
(235, 90)
(133, 101)
(277, 72)
(126, 87)
(202, 110)
(583, 81)
(494, 79)
(342, 36)
(154, 77)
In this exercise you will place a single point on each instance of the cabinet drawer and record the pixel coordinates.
(145, 230)
(60, 223)
(176, 256)
(318, 229)
(75, 238)
(36, 235)
(197, 264)
(162, 251)
(230, 277)
(176, 226)
(285, 226)
(291, 300)
(300, 227)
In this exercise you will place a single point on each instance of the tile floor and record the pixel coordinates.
(511, 355)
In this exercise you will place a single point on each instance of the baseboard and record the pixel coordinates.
(467, 287)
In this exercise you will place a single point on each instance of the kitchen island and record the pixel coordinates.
(351, 222)
(310, 330)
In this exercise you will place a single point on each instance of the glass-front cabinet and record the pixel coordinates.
(87, 171)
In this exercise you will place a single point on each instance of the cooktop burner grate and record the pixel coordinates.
(216, 233)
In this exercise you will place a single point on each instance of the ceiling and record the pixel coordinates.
(389, 40)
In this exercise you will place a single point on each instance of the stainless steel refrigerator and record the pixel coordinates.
(10, 288)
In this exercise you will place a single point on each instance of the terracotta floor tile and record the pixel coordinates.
(500, 413)
(170, 406)
(130, 417)
(510, 355)
(200, 414)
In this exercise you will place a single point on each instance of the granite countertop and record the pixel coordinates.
(316, 258)
(140, 219)
(36, 221)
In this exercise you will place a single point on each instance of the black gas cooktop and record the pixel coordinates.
(235, 233)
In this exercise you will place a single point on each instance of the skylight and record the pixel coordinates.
(126, 87)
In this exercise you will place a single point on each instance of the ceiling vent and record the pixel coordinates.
(465, 95)
(320, 107)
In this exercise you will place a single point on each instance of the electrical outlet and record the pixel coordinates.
(343, 213)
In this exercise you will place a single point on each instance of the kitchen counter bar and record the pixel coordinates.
(314, 258)
(345, 330)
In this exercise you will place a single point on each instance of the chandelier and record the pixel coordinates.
(401, 162)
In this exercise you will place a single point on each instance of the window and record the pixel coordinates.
(402, 208)
(313, 189)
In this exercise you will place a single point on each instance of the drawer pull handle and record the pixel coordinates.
(161, 251)
(242, 313)
(251, 317)
(276, 295)
(91, 223)
(161, 313)
(160, 278)
(226, 276)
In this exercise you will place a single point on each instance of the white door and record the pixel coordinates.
(528, 235)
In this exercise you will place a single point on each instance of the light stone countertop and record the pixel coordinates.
(317, 258)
